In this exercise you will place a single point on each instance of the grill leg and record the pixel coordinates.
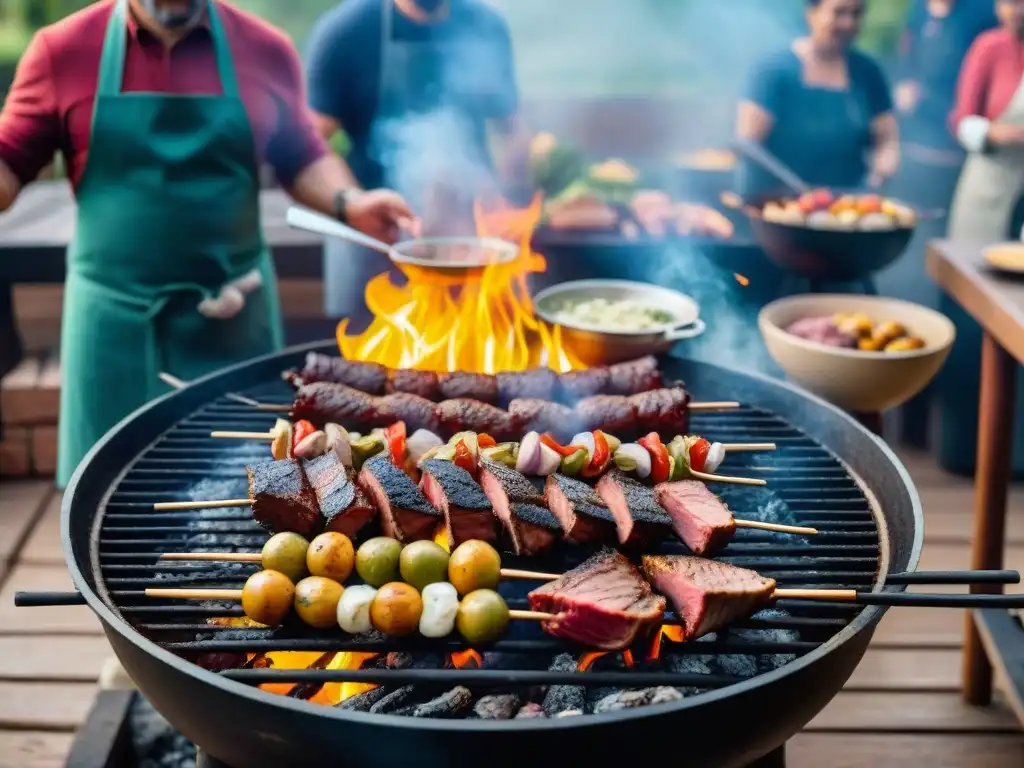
(776, 759)
(991, 479)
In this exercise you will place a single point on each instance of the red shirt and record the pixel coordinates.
(50, 104)
(989, 77)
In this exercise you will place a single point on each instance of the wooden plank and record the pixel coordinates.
(909, 669)
(15, 452)
(43, 546)
(949, 526)
(53, 658)
(45, 706)
(836, 750)
(20, 500)
(60, 620)
(918, 712)
(920, 627)
(34, 749)
(44, 450)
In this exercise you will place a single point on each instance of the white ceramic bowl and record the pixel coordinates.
(859, 382)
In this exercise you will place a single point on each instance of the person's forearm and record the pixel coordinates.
(318, 185)
(10, 186)
(885, 160)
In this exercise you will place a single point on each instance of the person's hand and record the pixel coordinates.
(1005, 135)
(380, 213)
(907, 95)
(883, 167)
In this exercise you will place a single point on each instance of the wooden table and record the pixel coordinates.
(997, 304)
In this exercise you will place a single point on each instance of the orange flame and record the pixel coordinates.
(673, 632)
(741, 279)
(482, 324)
(334, 693)
(587, 659)
(441, 538)
(462, 659)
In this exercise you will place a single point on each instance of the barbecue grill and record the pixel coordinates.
(828, 472)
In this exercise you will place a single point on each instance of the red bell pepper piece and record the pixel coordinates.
(699, 454)
(601, 456)
(394, 436)
(300, 431)
(660, 465)
(483, 440)
(464, 457)
(561, 450)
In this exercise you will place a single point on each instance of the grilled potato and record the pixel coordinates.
(857, 324)
(891, 330)
(905, 344)
(871, 343)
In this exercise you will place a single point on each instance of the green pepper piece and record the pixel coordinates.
(501, 453)
(574, 463)
(613, 442)
(366, 448)
(624, 462)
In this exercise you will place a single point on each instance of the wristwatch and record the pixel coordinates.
(341, 201)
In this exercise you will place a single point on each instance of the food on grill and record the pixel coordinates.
(343, 507)
(338, 440)
(856, 331)
(467, 512)
(405, 513)
(660, 410)
(611, 413)
(312, 445)
(536, 458)
(366, 377)
(422, 563)
(420, 442)
(331, 555)
(396, 609)
(708, 160)
(639, 519)
(364, 448)
(576, 208)
(282, 498)
(464, 414)
(707, 594)
(583, 514)
(483, 617)
(285, 552)
(530, 525)
(377, 560)
(281, 439)
(618, 315)
(327, 401)
(354, 609)
(700, 519)
(440, 607)
(539, 415)
(413, 410)
(821, 209)
(316, 601)
(474, 565)
(267, 597)
(625, 378)
(602, 603)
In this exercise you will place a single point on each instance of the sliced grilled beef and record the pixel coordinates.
(282, 498)
(639, 518)
(610, 413)
(471, 386)
(326, 401)
(602, 603)
(405, 513)
(530, 525)
(422, 383)
(343, 507)
(467, 511)
(634, 376)
(707, 594)
(663, 410)
(542, 416)
(583, 515)
(575, 385)
(700, 519)
(475, 416)
(537, 382)
(417, 412)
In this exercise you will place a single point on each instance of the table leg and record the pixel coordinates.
(991, 479)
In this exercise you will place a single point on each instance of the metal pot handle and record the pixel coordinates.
(690, 332)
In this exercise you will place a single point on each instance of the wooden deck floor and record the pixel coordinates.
(901, 707)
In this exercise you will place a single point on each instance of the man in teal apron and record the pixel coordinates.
(169, 270)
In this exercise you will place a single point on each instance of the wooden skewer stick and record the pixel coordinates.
(778, 527)
(738, 447)
(727, 479)
(171, 506)
(266, 437)
(176, 383)
(256, 557)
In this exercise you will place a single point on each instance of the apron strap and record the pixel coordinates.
(111, 74)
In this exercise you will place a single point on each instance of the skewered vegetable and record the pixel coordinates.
(661, 460)
(396, 609)
(377, 560)
(440, 607)
(529, 454)
(422, 563)
(354, 609)
(331, 555)
(281, 443)
(474, 565)
(633, 457)
(483, 616)
(575, 462)
(420, 442)
(267, 597)
(316, 601)
(286, 553)
(339, 441)
(365, 448)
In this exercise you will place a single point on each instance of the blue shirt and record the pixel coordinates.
(823, 134)
(345, 71)
(931, 53)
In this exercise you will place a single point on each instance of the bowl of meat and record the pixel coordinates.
(609, 321)
(828, 235)
(865, 354)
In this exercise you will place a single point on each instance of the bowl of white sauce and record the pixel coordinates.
(608, 321)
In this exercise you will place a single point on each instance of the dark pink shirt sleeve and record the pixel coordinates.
(973, 83)
(30, 123)
(296, 143)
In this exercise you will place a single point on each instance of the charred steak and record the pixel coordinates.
(639, 518)
(700, 519)
(467, 511)
(405, 513)
(583, 514)
(282, 498)
(345, 509)
(531, 527)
